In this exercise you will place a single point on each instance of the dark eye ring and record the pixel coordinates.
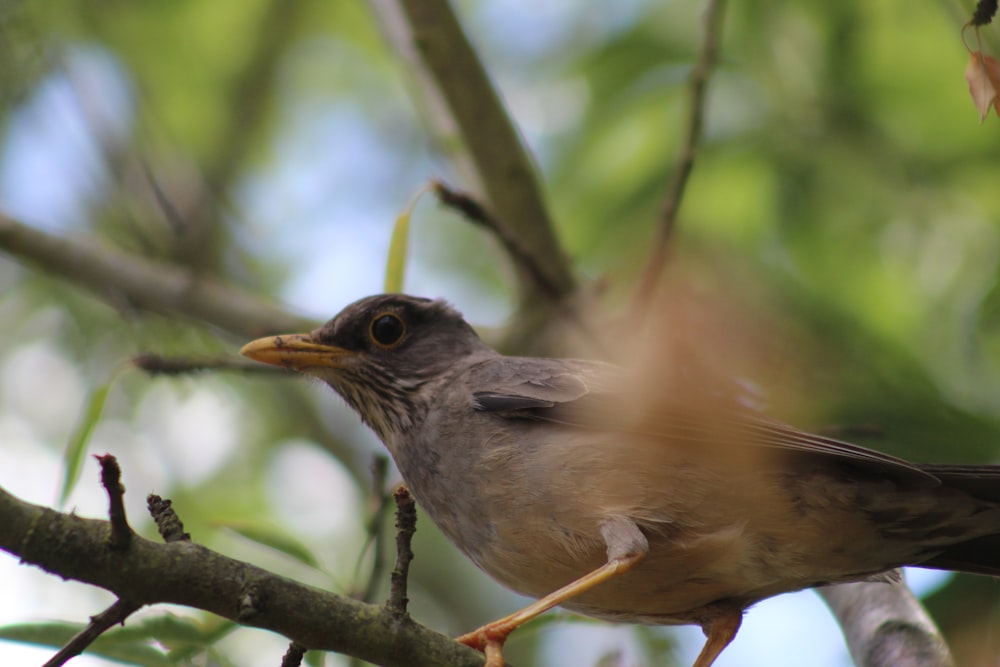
(387, 330)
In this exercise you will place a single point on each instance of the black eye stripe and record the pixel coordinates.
(387, 329)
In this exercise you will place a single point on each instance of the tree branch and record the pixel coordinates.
(475, 213)
(185, 573)
(691, 137)
(886, 626)
(406, 525)
(378, 501)
(293, 656)
(121, 533)
(169, 525)
(99, 624)
(157, 364)
(116, 275)
(561, 311)
(464, 103)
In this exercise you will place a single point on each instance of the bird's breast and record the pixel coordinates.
(526, 504)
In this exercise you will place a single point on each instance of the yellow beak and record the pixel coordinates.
(295, 351)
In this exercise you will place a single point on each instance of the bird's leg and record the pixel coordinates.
(491, 637)
(719, 632)
(627, 547)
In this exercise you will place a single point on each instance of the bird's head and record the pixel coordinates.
(378, 354)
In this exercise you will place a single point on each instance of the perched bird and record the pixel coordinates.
(565, 480)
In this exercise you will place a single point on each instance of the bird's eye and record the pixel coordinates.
(387, 329)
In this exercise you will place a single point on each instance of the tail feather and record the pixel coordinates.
(979, 481)
(980, 555)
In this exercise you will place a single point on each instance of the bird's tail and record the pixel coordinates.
(979, 555)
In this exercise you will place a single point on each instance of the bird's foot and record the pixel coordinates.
(719, 631)
(489, 639)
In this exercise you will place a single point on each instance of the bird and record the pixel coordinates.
(623, 497)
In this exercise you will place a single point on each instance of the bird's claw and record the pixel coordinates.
(489, 640)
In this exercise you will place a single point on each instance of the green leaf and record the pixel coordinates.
(110, 645)
(395, 266)
(272, 536)
(45, 634)
(77, 446)
(189, 637)
(315, 658)
(133, 644)
(172, 630)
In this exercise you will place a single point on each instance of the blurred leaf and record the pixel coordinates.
(316, 658)
(175, 631)
(76, 449)
(218, 659)
(111, 645)
(659, 645)
(47, 634)
(983, 77)
(185, 637)
(187, 650)
(271, 536)
(611, 658)
(395, 266)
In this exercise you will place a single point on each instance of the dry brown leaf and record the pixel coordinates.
(983, 76)
(993, 70)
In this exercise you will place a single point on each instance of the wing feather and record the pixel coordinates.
(581, 394)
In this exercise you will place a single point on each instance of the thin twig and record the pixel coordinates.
(406, 525)
(99, 624)
(477, 214)
(167, 522)
(378, 502)
(156, 364)
(120, 534)
(293, 656)
(473, 211)
(250, 97)
(697, 94)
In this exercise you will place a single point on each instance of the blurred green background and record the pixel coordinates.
(845, 186)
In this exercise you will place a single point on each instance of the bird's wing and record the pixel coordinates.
(582, 394)
(520, 385)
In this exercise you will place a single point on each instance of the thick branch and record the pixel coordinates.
(117, 275)
(462, 99)
(185, 573)
(886, 626)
